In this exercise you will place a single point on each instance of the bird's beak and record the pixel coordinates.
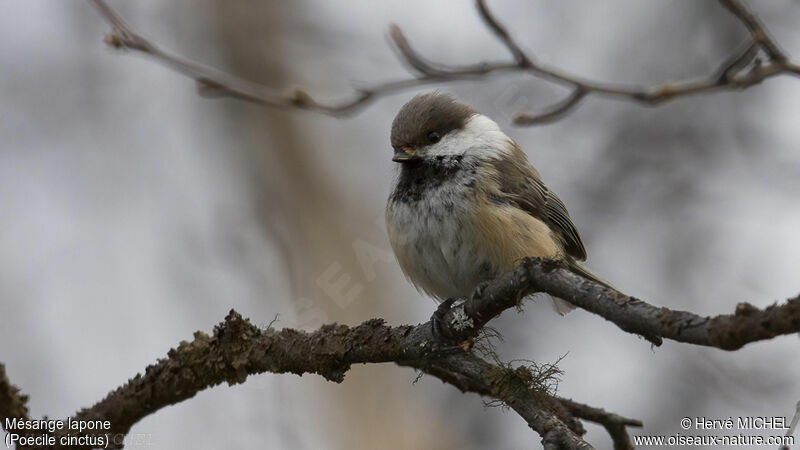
(404, 154)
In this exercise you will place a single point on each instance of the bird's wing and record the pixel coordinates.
(520, 183)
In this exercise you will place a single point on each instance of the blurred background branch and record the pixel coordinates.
(740, 71)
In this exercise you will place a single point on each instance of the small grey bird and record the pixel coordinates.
(467, 205)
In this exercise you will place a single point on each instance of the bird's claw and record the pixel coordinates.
(480, 289)
(437, 319)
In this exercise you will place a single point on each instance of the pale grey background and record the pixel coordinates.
(134, 212)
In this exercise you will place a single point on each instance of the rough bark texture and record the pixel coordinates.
(12, 401)
(515, 388)
(238, 349)
(726, 331)
(614, 424)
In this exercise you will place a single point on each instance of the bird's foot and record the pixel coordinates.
(480, 289)
(437, 319)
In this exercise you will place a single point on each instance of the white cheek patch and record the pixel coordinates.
(481, 137)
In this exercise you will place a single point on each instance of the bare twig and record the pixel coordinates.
(213, 83)
(522, 59)
(435, 72)
(615, 425)
(737, 62)
(730, 75)
(757, 30)
(552, 112)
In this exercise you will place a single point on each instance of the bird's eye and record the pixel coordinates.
(433, 137)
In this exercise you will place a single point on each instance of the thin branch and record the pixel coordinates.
(757, 30)
(616, 425)
(552, 112)
(436, 72)
(737, 62)
(12, 401)
(522, 59)
(726, 331)
(213, 83)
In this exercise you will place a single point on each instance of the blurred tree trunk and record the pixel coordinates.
(320, 232)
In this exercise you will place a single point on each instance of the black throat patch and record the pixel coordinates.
(418, 178)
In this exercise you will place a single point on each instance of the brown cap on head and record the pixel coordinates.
(425, 114)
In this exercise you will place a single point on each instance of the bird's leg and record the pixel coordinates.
(438, 317)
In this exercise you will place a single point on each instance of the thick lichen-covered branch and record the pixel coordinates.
(739, 71)
(238, 349)
(12, 401)
(516, 388)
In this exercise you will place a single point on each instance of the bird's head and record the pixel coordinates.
(435, 127)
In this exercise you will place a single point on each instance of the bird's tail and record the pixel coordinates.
(586, 273)
(562, 306)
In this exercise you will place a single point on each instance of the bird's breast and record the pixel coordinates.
(426, 231)
(450, 235)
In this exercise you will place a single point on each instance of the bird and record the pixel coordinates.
(467, 205)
